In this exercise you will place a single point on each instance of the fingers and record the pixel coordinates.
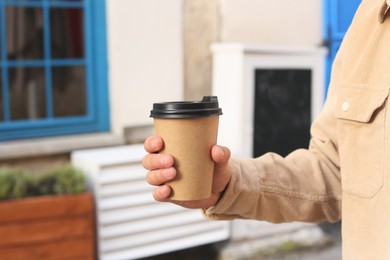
(220, 155)
(162, 193)
(160, 167)
(161, 171)
(157, 161)
(153, 144)
(222, 174)
(153, 161)
(159, 177)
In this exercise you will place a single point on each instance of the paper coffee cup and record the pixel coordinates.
(189, 130)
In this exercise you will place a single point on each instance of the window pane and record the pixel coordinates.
(27, 93)
(24, 32)
(69, 91)
(67, 39)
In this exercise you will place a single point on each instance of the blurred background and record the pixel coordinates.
(78, 79)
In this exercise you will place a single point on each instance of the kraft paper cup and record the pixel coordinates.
(189, 130)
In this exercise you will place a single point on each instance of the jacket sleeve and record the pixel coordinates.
(303, 186)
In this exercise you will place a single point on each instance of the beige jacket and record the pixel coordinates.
(345, 173)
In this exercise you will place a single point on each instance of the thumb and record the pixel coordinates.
(220, 156)
(222, 174)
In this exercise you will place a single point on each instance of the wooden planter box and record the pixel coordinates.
(48, 227)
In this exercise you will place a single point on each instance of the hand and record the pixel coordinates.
(161, 170)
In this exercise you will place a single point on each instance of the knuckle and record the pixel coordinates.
(155, 161)
(155, 197)
(146, 162)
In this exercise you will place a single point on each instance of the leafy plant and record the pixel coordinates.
(62, 180)
(16, 183)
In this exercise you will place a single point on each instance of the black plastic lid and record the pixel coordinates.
(191, 109)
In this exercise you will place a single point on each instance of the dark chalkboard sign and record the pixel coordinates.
(282, 110)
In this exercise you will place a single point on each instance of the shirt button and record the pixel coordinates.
(345, 106)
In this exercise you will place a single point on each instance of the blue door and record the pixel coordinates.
(338, 15)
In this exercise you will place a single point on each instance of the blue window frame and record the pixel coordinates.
(53, 68)
(338, 15)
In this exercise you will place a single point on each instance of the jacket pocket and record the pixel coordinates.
(361, 127)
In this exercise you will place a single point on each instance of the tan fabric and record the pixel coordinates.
(348, 158)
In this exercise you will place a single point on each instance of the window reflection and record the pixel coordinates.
(69, 93)
(27, 93)
(66, 33)
(24, 32)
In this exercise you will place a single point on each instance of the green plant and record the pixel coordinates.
(15, 183)
(62, 180)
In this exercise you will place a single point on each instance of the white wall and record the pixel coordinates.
(145, 55)
(284, 22)
(145, 45)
